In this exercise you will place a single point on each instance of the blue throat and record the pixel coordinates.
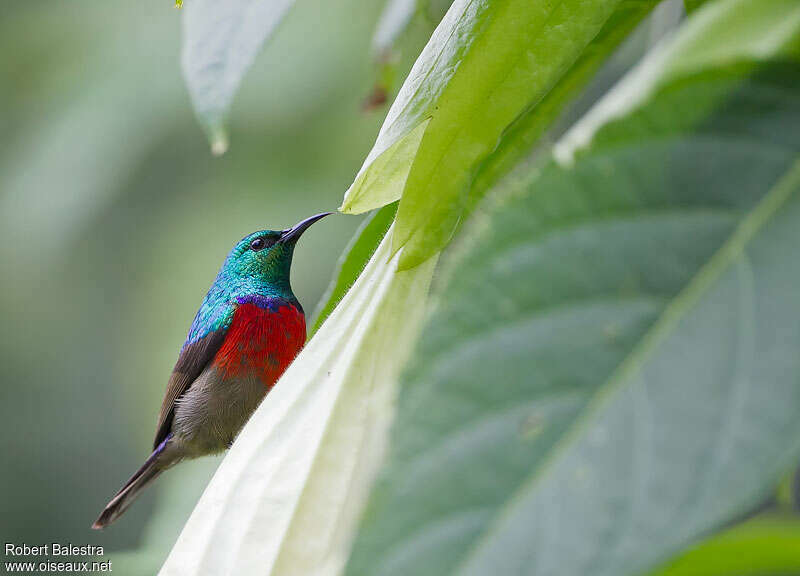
(271, 303)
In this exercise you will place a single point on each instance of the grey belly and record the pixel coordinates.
(212, 412)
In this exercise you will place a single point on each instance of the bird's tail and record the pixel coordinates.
(155, 464)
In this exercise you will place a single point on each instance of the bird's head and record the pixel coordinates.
(265, 257)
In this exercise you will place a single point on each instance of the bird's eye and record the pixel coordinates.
(258, 244)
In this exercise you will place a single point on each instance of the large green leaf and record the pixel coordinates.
(220, 41)
(488, 63)
(612, 370)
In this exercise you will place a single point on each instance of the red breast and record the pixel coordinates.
(261, 341)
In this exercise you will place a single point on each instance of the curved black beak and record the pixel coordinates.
(291, 235)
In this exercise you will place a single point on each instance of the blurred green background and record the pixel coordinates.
(114, 218)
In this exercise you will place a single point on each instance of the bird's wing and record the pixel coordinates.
(193, 359)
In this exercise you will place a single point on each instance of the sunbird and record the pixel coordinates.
(248, 330)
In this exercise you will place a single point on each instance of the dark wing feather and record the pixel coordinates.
(193, 359)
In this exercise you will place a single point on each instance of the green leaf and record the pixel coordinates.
(762, 547)
(488, 63)
(286, 498)
(520, 50)
(353, 261)
(220, 42)
(519, 139)
(735, 32)
(611, 370)
(383, 177)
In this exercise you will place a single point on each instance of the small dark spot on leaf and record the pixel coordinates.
(611, 333)
(531, 427)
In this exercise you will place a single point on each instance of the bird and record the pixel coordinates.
(249, 328)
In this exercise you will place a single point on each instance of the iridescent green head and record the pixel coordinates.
(260, 263)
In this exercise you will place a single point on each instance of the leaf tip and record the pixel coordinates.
(408, 261)
(417, 248)
(409, 258)
(218, 137)
(354, 201)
